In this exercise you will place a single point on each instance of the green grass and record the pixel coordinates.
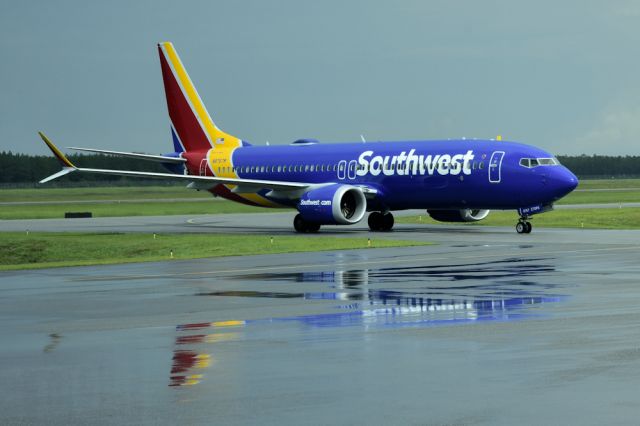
(100, 193)
(625, 218)
(619, 191)
(616, 196)
(609, 183)
(45, 211)
(137, 200)
(47, 250)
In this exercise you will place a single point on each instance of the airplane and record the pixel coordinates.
(455, 180)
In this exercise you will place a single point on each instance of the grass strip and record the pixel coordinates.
(613, 197)
(614, 218)
(624, 191)
(609, 184)
(48, 211)
(50, 249)
(100, 193)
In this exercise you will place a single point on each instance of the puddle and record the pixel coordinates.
(386, 298)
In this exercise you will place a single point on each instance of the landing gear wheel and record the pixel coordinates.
(375, 221)
(524, 227)
(380, 222)
(387, 222)
(303, 226)
(313, 227)
(299, 223)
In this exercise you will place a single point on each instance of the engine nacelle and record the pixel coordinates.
(333, 204)
(464, 215)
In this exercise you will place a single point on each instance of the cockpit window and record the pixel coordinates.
(548, 161)
(535, 162)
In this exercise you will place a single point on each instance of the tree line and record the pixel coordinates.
(605, 166)
(23, 169)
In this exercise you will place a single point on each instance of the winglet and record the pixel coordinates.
(59, 155)
(67, 166)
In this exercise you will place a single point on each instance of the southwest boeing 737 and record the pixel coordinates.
(454, 180)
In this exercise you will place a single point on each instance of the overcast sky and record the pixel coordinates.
(561, 75)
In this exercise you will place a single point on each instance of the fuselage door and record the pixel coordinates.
(203, 167)
(495, 164)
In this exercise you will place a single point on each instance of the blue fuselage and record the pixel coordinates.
(444, 174)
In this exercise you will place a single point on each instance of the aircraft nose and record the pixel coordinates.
(563, 182)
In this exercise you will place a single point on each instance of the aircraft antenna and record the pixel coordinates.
(363, 139)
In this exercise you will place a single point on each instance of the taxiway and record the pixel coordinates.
(486, 327)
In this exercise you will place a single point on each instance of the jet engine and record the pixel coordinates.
(464, 215)
(333, 204)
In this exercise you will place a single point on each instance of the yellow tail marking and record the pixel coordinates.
(63, 159)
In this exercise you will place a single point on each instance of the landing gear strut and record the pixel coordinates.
(523, 226)
(304, 226)
(381, 222)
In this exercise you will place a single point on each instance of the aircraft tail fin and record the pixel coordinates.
(192, 128)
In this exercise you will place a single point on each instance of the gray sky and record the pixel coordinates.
(561, 75)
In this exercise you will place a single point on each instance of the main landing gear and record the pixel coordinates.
(304, 226)
(523, 226)
(381, 222)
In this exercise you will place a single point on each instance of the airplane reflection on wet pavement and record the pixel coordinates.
(420, 296)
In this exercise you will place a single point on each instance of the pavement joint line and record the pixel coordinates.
(350, 264)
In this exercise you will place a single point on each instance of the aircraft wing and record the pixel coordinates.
(281, 188)
(245, 184)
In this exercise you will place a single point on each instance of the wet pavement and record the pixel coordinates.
(483, 328)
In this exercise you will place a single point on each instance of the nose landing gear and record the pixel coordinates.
(523, 226)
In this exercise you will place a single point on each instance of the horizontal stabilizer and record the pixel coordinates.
(146, 157)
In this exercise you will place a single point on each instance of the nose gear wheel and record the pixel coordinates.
(524, 226)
